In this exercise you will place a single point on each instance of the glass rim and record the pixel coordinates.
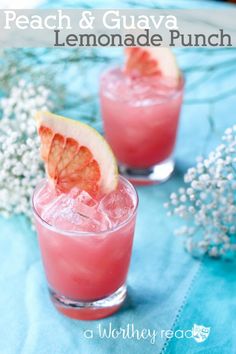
(179, 89)
(85, 233)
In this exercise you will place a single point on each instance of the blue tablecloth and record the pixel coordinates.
(167, 288)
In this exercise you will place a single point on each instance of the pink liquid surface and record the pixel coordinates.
(140, 117)
(85, 244)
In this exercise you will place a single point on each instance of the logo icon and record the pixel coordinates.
(200, 333)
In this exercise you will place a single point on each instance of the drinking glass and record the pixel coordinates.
(86, 271)
(140, 117)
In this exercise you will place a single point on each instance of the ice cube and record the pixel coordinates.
(76, 211)
(43, 196)
(54, 208)
(93, 221)
(85, 198)
(117, 205)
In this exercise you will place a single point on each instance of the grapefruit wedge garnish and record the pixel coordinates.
(146, 61)
(76, 155)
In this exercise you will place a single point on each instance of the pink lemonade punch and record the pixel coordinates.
(85, 235)
(140, 111)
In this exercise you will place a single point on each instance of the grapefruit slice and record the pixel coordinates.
(146, 61)
(76, 155)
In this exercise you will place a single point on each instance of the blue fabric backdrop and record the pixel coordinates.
(167, 288)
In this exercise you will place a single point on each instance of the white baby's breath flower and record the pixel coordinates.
(209, 201)
(21, 167)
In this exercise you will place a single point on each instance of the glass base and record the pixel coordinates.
(153, 175)
(89, 310)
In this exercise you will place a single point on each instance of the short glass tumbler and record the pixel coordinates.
(86, 271)
(140, 117)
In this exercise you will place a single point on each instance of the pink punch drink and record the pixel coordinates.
(140, 116)
(86, 247)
